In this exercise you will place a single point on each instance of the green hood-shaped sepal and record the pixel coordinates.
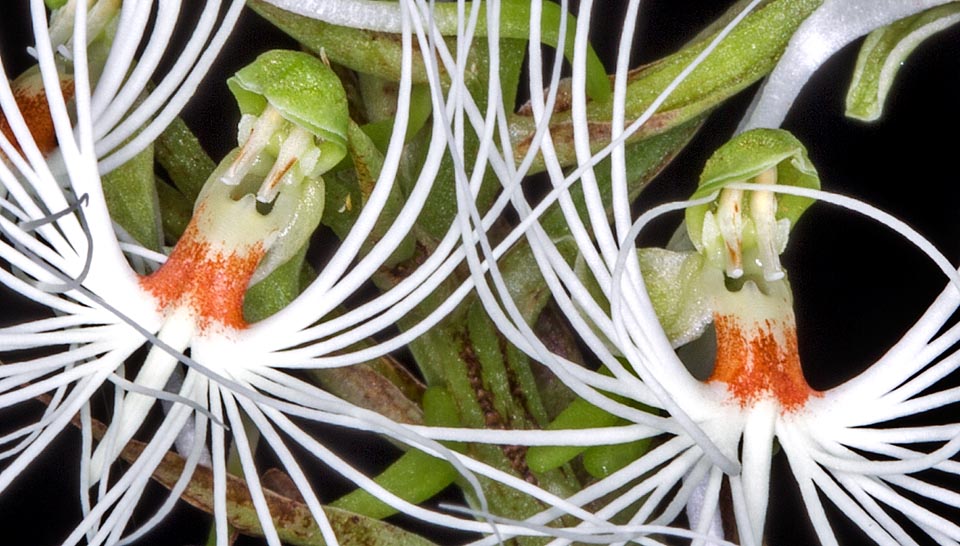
(304, 90)
(746, 156)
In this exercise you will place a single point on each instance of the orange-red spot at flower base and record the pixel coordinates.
(209, 280)
(31, 98)
(760, 359)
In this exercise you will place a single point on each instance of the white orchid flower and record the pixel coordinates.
(63, 252)
(845, 445)
(217, 376)
(215, 370)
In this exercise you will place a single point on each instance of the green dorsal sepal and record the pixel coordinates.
(743, 230)
(295, 117)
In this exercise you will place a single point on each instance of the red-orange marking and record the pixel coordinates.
(32, 101)
(754, 364)
(211, 282)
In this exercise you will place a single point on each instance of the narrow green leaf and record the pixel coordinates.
(420, 108)
(416, 476)
(448, 358)
(442, 205)
(579, 414)
(382, 385)
(187, 164)
(379, 53)
(525, 283)
(509, 389)
(175, 210)
(744, 56)
(644, 160)
(601, 461)
(367, 162)
(883, 53)
(347, 189)
(131, 197)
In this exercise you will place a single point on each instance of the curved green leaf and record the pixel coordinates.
(379, 53)
(884, 52)
(415, 476)
(745, 55)
(579, 414)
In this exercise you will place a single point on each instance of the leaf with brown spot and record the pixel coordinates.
(291, 517)
(367, 386)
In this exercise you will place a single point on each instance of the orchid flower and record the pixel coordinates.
(847, 444)
(177, 319)
(207, 378)
(216, 371)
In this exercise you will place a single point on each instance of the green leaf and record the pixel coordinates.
(420, 109)
(745, 55)
(601, 461)
(644, 161)
(883, 53)
(131, 197)
(347, 190)
(367, 162)
(515, 17)
(175, 211)
(524, 280)
(383, 385)
(509, 388)
(379, 53)
(416, 476)
(446, 356)
(579, 414)
(442, 206)
(179, 152)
